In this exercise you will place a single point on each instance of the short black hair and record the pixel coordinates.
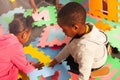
(20, 23)
(71, 14)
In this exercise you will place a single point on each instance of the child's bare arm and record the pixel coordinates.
(53, 62)
(35, 8)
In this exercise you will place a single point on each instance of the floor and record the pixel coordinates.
(6, 5)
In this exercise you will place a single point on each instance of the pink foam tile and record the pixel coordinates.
(44, 36)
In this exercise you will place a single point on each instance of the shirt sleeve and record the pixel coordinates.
(18, 59)
(63, 54)
(85, 60)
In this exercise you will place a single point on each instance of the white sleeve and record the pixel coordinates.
(63, 54)
(85, 60)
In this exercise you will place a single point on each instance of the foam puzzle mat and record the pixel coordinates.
(54, 40)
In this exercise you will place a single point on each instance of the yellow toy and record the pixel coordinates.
(12, 1)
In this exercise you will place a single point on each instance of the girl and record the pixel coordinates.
(12, 57)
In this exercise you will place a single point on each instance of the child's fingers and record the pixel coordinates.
(53, 63)
(35, 10)
(42, 64)
(39, 65)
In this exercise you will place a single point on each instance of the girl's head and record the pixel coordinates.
(71, 18)
(21, 27)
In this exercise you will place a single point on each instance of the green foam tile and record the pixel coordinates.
(52, 13)
(113, 40)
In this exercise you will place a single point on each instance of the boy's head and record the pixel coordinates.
(21, 27)
(71, 18)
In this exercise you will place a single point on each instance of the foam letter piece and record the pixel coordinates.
(114, 37)
(49, 72)
(41, 15)
(37, 54)
(53, 35)
(46, 71)
(114, 65)
(28, 56)
(63, 70)
(74, 76)
(47, 50)
(118, 78)
(49, 14)
(56, 75)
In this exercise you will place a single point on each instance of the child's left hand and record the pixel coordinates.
(38, 65)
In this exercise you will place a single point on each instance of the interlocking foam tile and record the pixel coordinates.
(63, 70)
(73, 76)
(47, 72)
(67, 1)
(114, 37)
(56, 47)
(83, 2)
(86, 5)
(93, 17)
(113, 64)
(42, 78)
(36, 54)
(79, 1)
(103, 26)
(6, 18)
(1, 29)
(34, 43)
(53, 35)
(52, 15)
(50, 52)
(89, 19)
(41, 15)
(64, 1)
(28, 56)
(114, 69)
(56, 75)
(111, 23)
(96, 8)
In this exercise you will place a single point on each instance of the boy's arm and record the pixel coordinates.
(35, 8)
(61, 56)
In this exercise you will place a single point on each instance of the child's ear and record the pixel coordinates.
(76, 27)
(24, 35)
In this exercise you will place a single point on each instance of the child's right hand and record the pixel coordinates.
(35, 10)
(52, 63)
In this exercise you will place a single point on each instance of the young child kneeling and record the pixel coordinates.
(88, 44)
(12, 58)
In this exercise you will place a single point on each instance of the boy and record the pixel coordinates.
(88, 45)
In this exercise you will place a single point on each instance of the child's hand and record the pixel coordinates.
(35, 10)
(38, 65)
(52, 63)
